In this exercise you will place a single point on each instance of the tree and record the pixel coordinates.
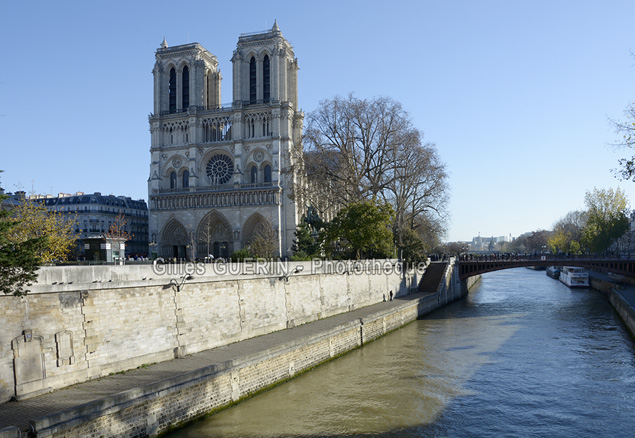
(607, 217)
(209, 231)
(413, 248)
(306, 245)
(56, 229)
(119, 229)
(19, 259)
(626, 129)
(362, 229)
(568, 232)
(417, 190)
(361, 149)
(531, 242)
(264, 244)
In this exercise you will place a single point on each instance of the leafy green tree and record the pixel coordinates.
(413, 247)
(567, 235)
(240, 255)
(607, 218)
(361, 230)
(306, 244)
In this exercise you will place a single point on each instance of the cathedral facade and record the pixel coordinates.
(221, 174)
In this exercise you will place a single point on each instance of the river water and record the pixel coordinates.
(522, 355)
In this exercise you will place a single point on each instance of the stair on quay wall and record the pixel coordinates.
(432, 277)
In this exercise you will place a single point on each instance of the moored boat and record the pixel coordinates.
(574, 277)
(553, 272)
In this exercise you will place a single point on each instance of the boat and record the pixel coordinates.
(553, 272)
(574, 277)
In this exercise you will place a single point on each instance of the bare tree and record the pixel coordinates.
(417, 189)
(349, 143)
(264, 243)
(119, 229)
(209, 232)
(360, 149)
(626, 129)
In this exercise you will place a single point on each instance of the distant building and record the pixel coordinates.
(95, 213)
(479, 243)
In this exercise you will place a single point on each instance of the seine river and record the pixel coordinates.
(523, 356)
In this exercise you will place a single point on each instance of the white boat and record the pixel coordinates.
(553, 272)
(574, 277)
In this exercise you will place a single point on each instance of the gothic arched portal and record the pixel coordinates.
(215, 236)
(174, 240)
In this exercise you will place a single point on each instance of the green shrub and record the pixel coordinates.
(240, 255)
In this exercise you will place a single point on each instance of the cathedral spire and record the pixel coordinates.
(164, 44)
(275, 27)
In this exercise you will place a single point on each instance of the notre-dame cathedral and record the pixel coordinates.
(221, 173)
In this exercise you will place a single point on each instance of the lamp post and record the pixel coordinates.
(153, 247)
(178, 283)
(297, 270)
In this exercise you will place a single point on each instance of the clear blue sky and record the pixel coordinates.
(516, 95)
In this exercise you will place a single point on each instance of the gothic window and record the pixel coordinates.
(252, 80)
(172, 90)
(267, 173)
(186, 87)
(173, 180)
(254, 175)
(219, 169)
(186, 179)
(266, 76)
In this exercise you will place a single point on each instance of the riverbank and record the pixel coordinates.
(621, 295)
(168, 394)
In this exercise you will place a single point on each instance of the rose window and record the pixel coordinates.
(219, 169)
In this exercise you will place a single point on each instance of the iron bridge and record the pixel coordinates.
(469, 267)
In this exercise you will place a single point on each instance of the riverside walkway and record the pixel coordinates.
(18, 414)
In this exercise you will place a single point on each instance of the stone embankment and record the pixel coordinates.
(270, 344)
(621, 295)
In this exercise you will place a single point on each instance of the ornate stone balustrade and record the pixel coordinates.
(230, 198)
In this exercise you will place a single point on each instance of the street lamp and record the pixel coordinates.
(178, 283)
(297, 270)
(153, 247)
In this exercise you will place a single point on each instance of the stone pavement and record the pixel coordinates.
(626, 291)
(18, 413)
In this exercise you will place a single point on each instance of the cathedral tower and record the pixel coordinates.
(221, 174)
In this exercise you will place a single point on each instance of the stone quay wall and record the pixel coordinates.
(624, 309)
(155, 409)
(80, 323)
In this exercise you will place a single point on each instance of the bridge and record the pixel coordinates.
(469, 267)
